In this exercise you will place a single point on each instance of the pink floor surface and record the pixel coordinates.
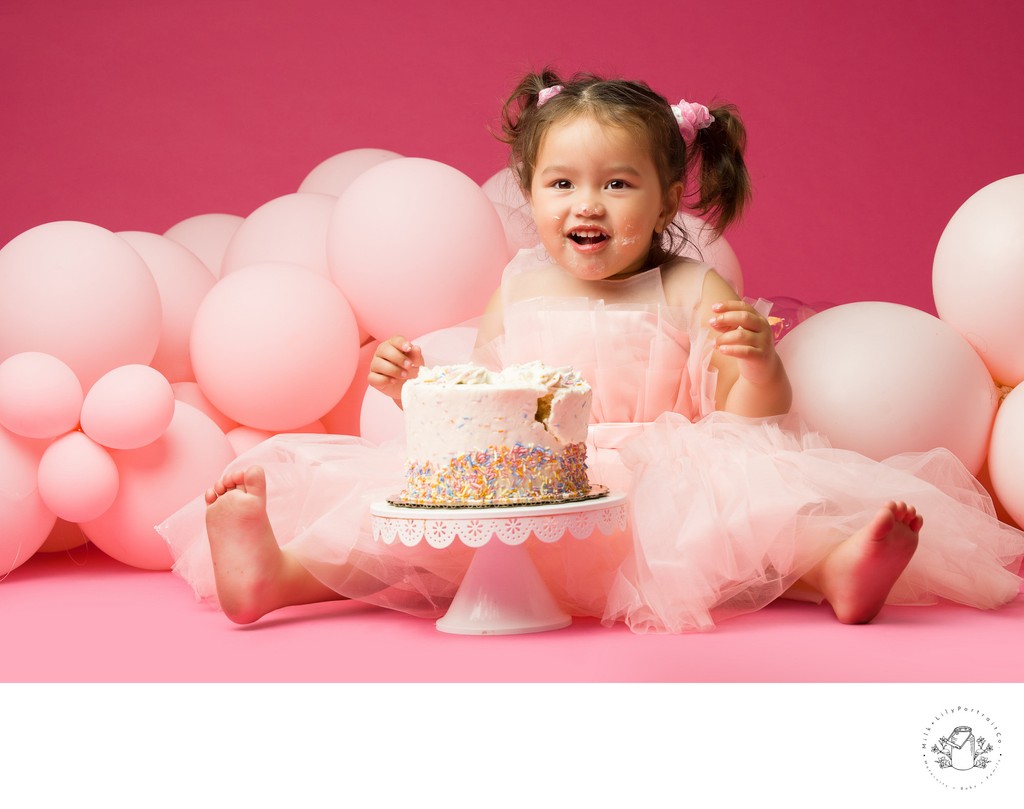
(79, 616)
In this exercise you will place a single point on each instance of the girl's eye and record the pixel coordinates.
(616, 185)
(563, 185)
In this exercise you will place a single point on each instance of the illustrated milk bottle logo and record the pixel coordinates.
(961, 748)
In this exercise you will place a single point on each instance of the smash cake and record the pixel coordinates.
(476, 437)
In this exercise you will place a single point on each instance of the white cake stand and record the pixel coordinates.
(502, 592)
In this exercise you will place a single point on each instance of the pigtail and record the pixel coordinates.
(517, 118)
(724, 181)
(523, 101)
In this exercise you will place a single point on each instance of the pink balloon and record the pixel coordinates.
(343, 419)
(1006, 454)
(704, 246)
(290, 229)
(244, 439)
(881, 379)
(336, 173)
(25, 520)
(434, 265)
(380, 419)
(63, 537)
(502, 188)
(40, 397)
(451, 346)
(274, 346)
(978, 276)
(77, 478)
(520, 229)
(191, 393)
(80, 293)
(183, 281)
(156, 481)
(207, 236)
(128, 407)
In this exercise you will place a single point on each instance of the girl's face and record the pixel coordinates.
(597, 199)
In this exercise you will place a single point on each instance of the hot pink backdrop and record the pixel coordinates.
(870, 122)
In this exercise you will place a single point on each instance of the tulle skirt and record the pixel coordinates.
(726, 515)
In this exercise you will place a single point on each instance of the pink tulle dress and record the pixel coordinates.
(726, 513)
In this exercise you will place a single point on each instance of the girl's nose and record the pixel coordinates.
(590, 209)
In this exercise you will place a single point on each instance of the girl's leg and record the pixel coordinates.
(254, 575)
(856, 577)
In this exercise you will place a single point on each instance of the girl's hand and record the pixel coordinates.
(394, 363)
(746, 335)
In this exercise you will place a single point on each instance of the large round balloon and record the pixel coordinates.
(290, 229)
(183, 281)
(25, 521)
(336, 173)
(40, 396)
(80, 293)
(274, 346)
(978, 276)
(1006, 454)
(156, 480)
(128, 407)
(415, 245)
(77, 478)
(881, 378)
(207, 235)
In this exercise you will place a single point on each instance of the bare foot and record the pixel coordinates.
(253, 575)
(857, 576)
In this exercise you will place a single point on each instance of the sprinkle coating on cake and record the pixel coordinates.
(476, 436)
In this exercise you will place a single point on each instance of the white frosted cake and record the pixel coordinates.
(479, 437)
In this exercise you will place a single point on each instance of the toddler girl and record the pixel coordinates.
(733, 503)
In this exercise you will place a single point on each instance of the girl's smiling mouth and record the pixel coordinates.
(588, 237)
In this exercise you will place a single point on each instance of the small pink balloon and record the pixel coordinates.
(1006, 454)
(343, 419)
(380, 418)
(78, 480)
(40, 396)
(25, 521)
(336, 173)
(978, 276)
(80, 293)
(191, 393)
(207, 236)
(882, 379)
(156, 481)
(274, 346)
(291, 229)
(704, 246)
(128, 407)
(520, 229)
(436, 267)
(502, 188)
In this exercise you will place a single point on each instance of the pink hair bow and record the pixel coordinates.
(691, 117)
(545, 95)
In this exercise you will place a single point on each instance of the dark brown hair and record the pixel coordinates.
(715, 152)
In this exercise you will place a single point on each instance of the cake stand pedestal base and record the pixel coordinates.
(502, 594)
